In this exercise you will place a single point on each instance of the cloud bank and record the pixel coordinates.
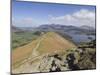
(79, 18)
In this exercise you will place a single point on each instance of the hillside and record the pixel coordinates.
(82, 58)
(49, 43)
(52, 42)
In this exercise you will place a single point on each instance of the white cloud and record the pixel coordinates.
(79, 18)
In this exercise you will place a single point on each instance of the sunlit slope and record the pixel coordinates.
(49, 43)
(53, 42)
(21, 53)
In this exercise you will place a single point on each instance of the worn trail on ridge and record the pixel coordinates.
(31, 58)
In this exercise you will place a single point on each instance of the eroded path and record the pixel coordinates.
(27, 65)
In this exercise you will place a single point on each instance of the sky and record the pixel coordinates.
(33, 14)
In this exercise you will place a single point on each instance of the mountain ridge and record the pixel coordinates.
(52, 43)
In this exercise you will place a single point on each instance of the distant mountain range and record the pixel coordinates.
(15, 29)
(57, 27)
(77, 34)
(64, 28)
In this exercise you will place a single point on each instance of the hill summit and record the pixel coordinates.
(52, 42)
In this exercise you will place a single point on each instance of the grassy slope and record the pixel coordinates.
(21, 53)
(22, 38)
(51, 43)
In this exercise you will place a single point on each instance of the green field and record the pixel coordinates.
(23, 38)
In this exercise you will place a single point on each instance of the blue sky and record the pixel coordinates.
(34, 14)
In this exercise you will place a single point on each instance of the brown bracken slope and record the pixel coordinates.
(48, 43)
